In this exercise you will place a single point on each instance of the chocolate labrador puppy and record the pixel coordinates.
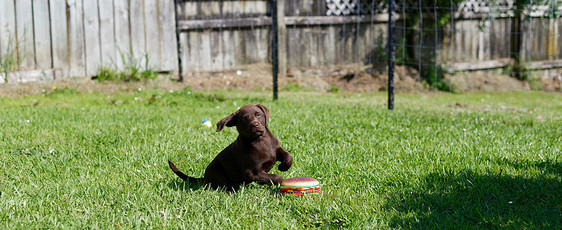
(250, 157)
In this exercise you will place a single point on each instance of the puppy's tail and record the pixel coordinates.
(183, 176)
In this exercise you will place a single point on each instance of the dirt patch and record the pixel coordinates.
(355, 78)
(484, 81)
(86, 85)
(256, 76)
(552, 84)
(361, 78)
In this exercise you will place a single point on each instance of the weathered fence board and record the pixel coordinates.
(153, 33)
(109, 54)
(184, 52)
(79, 36)
(122, 32)
(92, 38)
(7, 31)
(168, 55)
(25, 41)
(197, 10)
(42, 33)
(59, 34)
(138, 34)
(76, 38)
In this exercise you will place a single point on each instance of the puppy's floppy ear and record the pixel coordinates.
(265, 112)
(229, 121)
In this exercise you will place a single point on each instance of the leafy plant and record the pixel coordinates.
(519, 70)
(535, 83)
(334, 89)
(107, 73)
(435, 77)
(133, 71)
(292, 87)
(9, 61)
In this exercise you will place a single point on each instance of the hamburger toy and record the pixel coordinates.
(298, 186)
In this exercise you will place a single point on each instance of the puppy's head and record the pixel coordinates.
(250, 121)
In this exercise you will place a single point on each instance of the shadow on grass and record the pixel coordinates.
(181, 185)
(547, 166)
(184, 186)
(468, 200)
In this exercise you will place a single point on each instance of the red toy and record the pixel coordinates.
(298, 186)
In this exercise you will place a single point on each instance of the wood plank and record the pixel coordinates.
(222, 23)
(207, 10)
(8, 32)
(92, 37)
(293, 38)
(253, 42)
(59, 34)
(523, 53)
(291, 8)
(122, 32)
(266, 21)
(109, 53)
(216, 50)
(76, 38)
(260, 8)
(228, 49)
(302, 48)
(478, 65)
(558, 35)
(215, 8)
(492, 37)
(153, 34)
(184, 52)
(168, 41)
(481, 44)
(262, 44)
(192, 61)
(348, 41)
(32, 76)
(26, 41)
(318, 51)
(42, 32)
(472, 41)
(311, 46)
(546, 64)
(281, 39)
(238, 46)
(331, 51)
(336, 20)
(204, 49)
(188, 10)
(138, 35)
(457, 45)
(362, 49)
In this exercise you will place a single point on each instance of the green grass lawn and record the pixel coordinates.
(440, 161)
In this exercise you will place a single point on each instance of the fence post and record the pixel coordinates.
(281, 35)
(178, 42)
(391, 54)
(274, 49)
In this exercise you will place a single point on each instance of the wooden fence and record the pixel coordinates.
(77, 37)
